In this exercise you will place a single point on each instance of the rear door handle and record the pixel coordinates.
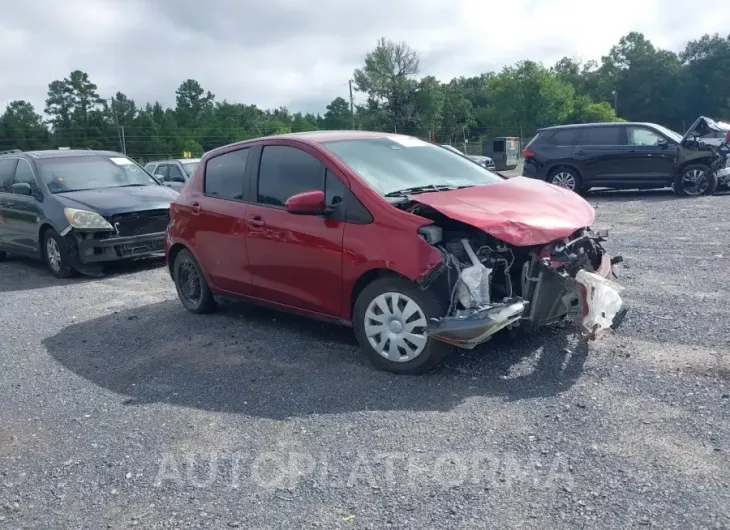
(256, 220)
(195, 206)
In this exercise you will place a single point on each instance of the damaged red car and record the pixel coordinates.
(414, 246)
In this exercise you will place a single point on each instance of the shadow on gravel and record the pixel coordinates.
(25, 274)
(263, 363)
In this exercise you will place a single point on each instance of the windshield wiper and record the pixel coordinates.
(424, 189)
(131, 185)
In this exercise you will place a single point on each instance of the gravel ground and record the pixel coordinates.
(121, 409)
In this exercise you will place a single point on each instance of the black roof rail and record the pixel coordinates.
(10, 151)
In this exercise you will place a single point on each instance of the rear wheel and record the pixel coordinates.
(193, 290)
(390, 320)
(55, 254)
(567, 178)
(695, 180)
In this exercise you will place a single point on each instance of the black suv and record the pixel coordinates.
(622, 156)
(78, 208)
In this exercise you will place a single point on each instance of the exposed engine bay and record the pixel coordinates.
(488, 285)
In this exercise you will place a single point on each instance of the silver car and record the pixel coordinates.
(173, 173)
(479, 159)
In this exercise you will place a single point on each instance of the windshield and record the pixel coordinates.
(74, 173)
(190, 167)
(670, 133)
(396, 163)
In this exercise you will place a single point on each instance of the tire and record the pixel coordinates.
(55, 254)
(186, 269)
(566, 177)
(711, 178)
(424, 357)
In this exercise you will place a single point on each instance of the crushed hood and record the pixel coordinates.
(703, 126)
(520, 211)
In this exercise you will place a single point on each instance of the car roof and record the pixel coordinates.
(53, 153)
(317, 137)
(182, 160)
(598, 124)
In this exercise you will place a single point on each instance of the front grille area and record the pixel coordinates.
(140, 223)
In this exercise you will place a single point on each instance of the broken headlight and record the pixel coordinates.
(86, 220)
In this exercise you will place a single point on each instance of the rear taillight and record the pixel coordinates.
(528, 154)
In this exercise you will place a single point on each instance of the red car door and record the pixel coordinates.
(295, 260)
(217, 220)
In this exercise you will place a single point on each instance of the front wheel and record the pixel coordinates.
(390, 320)
(193, 290)
(695, 180)
(55, 253)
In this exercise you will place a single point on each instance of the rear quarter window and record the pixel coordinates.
(565, 137)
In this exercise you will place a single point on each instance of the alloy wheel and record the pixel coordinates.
(695, 182)
(564, 180)
(53, 253)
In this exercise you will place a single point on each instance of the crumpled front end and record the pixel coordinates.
(493, 285)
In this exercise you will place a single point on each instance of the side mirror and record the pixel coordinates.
(178, 179)
(159, 177)
(662, 143)
(22, 188)
(307, 203)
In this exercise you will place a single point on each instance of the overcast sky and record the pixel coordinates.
(301, 53)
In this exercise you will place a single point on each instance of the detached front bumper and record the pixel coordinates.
(90, 250)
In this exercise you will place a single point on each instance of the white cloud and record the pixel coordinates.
(300, 53)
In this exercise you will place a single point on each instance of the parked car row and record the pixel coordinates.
(631, 156)
(416, 247)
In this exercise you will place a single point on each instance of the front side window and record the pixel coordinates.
(225, 175)
(75, 173)
(643, 136)
(174, 174)
(286, 171)
(161, 171)
(394, 163)
(24, 174)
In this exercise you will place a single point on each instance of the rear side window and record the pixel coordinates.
(224, 175)
(7, 170)
(286, 171)
(565, 137)
(601, 136)
(174, 174)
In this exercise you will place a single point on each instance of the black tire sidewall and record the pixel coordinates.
(711, 188)
(206, 303)
(434, 351)
(65, 270)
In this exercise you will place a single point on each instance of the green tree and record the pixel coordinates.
(22, 128)
(338, 115)
(388, 79)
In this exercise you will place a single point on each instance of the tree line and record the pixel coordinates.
(635, 81)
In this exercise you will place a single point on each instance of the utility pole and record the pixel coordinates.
(120, 131)
(124, 141)
(352, 105)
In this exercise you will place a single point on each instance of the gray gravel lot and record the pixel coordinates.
(121, 409)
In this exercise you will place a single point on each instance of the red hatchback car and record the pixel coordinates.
(416, 247)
